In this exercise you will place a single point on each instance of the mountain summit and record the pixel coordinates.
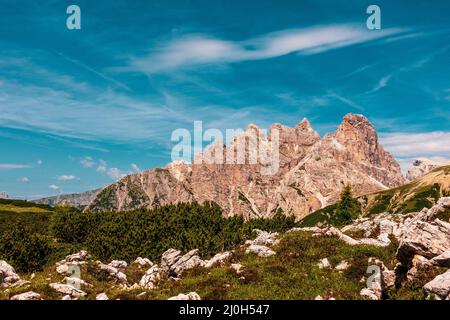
(312, 172)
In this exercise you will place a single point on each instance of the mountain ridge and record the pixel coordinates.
(312, 171)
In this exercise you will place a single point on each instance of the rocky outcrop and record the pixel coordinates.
(324, 264)
(102, 297)
(143, 262)
(342, 266)
(189, 296)
(218, 259)
(442, 260)
(439, 286)
(113, 273)
(8, 276)
(151, 278)
(264, 238)
(66, 266)
(261, 251)
(334, 232)
(428, 239)
(262, 243)
(68, 290)
(423, 166)
(118, 264)
(310, 172)
(30, 295)
(418, 266)
(173, 263)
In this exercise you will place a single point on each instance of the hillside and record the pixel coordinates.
(13, 212)
(317, 263)
(412, 197)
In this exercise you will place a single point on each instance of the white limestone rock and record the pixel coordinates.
(439, 286)
(8, 276)
(189, 296)
(260, 250)
(218, 259)
(102, 296)
(69, 290)
(30, 295)
(151, 278)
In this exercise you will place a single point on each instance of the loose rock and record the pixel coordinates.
(189, 296)
(8, 276)
(151, 278)
(218, 259)
(67, 290)
(260, 250)
(440, 286)
(27, 296)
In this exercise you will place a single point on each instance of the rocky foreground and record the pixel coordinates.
(410, 251)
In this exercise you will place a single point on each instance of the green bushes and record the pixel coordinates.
(25, 250)
(70, 225)
(150, 233)
(25, 239)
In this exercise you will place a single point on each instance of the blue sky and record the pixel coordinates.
(80, 108)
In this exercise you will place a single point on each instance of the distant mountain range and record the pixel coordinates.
(77, 200)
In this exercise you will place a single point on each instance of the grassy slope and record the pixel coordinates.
(411, 197)
(35, 216)
(292, 274)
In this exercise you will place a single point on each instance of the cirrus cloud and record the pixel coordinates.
(13, 166)
(197, 49)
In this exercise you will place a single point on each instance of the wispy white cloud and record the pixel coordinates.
(200, 49)
(135, 167)
(66, 177)
(346, 101)
(113, 173)
(415, 145)
(407, 146)
(13, 166)
(24, 180)
(53, 187)
(96, 72)
(383, 82)
(87, 162)
(417, 64)
(102, 166)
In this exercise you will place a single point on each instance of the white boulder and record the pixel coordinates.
(189, 296)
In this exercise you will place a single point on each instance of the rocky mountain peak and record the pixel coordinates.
(356, 126)
(309, 175)
(304, 125)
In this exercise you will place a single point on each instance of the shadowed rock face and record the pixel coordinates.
(310, 175)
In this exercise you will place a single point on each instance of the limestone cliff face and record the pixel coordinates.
(310, 174)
